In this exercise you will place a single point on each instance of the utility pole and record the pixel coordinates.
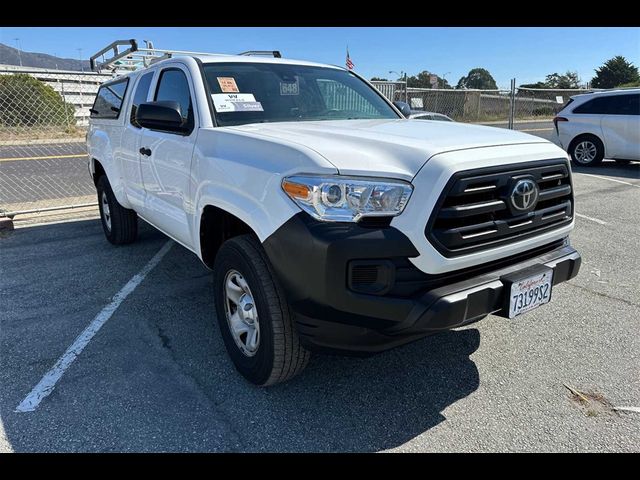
(80, 57)
(443, 78)
(19, 45)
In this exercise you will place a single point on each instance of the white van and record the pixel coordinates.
(593, 126)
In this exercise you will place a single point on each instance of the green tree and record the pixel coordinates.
(378, 79)
(555, 80)
(423, 80)
(568, 80)
(630, 84)
(615, 72)
(534, 85)
(478, 78)
(26, 101)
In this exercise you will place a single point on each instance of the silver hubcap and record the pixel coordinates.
(242, 315)
(585, 152)
(106, 212)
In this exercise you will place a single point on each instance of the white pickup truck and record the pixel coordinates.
(331, 222)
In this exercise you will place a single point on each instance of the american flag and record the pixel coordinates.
(349, 63)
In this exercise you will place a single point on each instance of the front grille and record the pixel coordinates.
(474, 211)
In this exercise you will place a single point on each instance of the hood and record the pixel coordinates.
(397, 147)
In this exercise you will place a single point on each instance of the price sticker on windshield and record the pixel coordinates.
(228, 85)
(235, 102)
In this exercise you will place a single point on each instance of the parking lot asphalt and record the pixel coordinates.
(156, 377)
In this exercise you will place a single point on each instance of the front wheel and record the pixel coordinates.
(253, 315)
(586, 151)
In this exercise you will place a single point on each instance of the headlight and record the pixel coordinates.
(347, 199)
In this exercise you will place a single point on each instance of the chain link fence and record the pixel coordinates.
(43, 119)
(483, 106)
(44, 115)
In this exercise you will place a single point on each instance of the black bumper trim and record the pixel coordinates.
(310, 259)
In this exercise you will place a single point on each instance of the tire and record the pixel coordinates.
(277, 355)
(586, 151)
(120, 224)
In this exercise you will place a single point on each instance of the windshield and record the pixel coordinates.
(265, 92)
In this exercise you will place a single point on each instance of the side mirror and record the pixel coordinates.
(164, 115)
(404, 108)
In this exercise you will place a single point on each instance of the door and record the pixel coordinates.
(165, 159)
(621, 126)
(130, 144)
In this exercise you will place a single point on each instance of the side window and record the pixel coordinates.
(140, 96)
(599, 105)
(109, 100)
(624, 105)
(173, 85)
(634, 104)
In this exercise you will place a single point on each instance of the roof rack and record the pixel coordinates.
(269, 53)
(133, 58)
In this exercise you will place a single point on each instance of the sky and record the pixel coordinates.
(526, 53)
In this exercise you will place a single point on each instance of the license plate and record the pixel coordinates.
(530, 293)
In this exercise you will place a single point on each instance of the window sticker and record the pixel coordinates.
(228, 84)
(289, 88)
(235, 102)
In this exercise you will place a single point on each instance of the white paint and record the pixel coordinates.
(431, 180)
(607, 178)
(596, 220)
(48, 382)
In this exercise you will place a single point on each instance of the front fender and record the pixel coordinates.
(264, 217)
(241, 174)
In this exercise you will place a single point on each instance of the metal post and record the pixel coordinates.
(406, 89)
(512, 103)
(66, 110)
(19, 45)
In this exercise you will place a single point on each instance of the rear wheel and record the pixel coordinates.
(253, 315)
(120, 224)
(586, 151)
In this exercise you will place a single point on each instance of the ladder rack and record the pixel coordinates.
(126, 56)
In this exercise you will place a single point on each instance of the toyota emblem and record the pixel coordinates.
(524, 195)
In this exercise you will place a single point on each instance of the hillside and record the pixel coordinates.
(9, 56)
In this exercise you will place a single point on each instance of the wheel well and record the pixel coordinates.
(582, 136)
(98, 171)
(217, 226)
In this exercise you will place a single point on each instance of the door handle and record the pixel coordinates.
(145, 151)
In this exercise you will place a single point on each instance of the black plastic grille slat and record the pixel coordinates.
(364, 274)
(473, 213)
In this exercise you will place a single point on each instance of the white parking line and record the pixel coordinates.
(597, 220)
(46, 385)
(607, 178)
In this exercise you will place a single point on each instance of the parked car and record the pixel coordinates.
(600, 125)
(331, 222)
(430, 116)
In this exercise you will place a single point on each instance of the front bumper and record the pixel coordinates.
(311, 260)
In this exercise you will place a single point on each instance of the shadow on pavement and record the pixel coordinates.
(611, 168)
(157, 377)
